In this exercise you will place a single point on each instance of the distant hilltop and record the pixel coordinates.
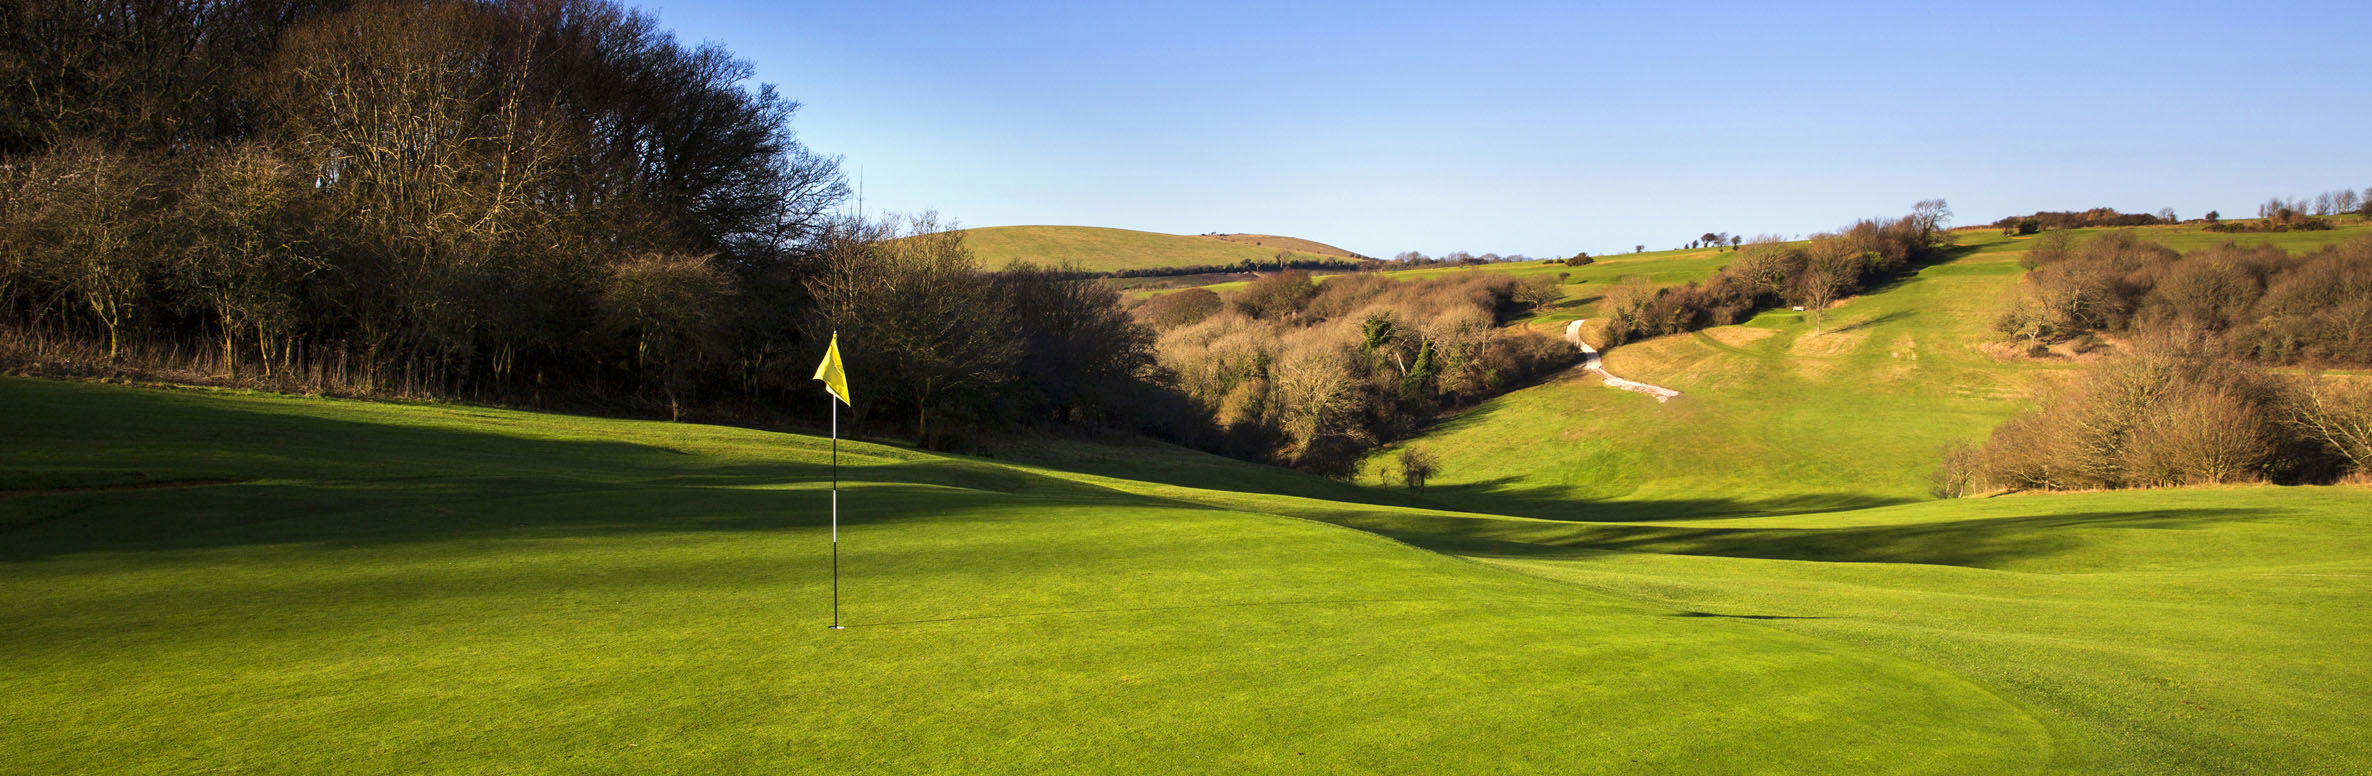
(1102, 249)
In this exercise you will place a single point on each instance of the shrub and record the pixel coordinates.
(1277, 296)
(1178, 308)
(2168, 414)
(1416, 467)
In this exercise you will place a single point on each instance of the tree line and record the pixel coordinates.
(1285, 261)
(2043, 220)
(1768, 273)
(2330, 203)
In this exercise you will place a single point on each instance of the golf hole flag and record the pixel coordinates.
(835, 381)
(829, 371)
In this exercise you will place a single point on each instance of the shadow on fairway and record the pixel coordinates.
(1976, 543)
(1873, 321)
(1140, 609)
(97, 471)
(1744, 616)
(1502, 496)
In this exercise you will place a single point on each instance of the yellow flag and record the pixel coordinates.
(829, 371)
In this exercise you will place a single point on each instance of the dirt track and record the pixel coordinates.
(1591, 361)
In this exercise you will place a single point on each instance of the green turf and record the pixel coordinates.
(349, 587)
(2197, 631)
(1100, 249)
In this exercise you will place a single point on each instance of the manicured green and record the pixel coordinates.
(1099, 249)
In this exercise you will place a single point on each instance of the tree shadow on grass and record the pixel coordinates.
(1502, 496)
(1745, 616)
(289, 477)
(1865, 323)
(1993, 542)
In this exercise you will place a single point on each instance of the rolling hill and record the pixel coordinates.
(1099, 249)
(1295, 244)
(1780, 419)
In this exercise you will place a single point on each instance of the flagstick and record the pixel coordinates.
(830, 402)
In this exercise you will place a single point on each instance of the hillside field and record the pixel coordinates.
(1587, 285)
(1099, 249)
(1278, 242)
(1777, 418)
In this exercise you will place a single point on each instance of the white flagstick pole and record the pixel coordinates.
(831, 402)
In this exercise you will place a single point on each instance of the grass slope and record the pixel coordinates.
(1279, 242)
(1099, 249)
(2166, 632)
(1776, 417)
(195, 581)
(2177, 631)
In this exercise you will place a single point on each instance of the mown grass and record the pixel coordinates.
(1099, 249)
(348, 587)
(2196, 631)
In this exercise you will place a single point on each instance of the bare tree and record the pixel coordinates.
(1829, 276)
(1314, 386)
(666, 304)
(2197, 436)
(914, 314)
(1929, 216)
(93, 230)
(2337, 413)
(237, 255)
(1416, 467)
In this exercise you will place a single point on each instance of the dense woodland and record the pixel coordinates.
(496, 199)
(542, 202)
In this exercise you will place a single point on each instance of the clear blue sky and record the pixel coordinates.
(1549, 128)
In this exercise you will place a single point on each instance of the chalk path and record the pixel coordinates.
(1590, 361)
